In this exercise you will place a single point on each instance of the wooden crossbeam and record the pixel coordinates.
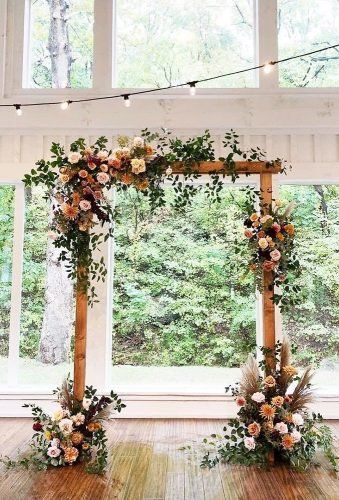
(242, 167)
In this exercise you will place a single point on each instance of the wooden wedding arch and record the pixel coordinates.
(265, 171)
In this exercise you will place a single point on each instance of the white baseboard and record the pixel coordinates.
(160, 405)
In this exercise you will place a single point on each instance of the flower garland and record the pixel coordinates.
(270, 236)
(73, 433)
(78, 184)
(272, 418)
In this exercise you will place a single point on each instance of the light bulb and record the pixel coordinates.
(268, 67)
(127, 101)
(64, 105)
(18, 109)
(192, 88)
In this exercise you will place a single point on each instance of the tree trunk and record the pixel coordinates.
(323, 206)
(58, 316)
(58, 43)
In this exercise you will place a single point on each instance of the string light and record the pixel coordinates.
(65, 105)
(127, 101)
(192, 88)
(266, 67)
(18, 109)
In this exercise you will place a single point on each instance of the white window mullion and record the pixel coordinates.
(266, 44)
(103, 44)
(17, 269)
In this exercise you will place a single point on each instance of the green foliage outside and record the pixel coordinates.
(181, 294)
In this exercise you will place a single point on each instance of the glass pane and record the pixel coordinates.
(166, 42)
(6, 247)
(47, 302)
(313, 324)
(60, 44)
(184, 307)
(304, 26)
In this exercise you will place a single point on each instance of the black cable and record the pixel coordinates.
(158, 89)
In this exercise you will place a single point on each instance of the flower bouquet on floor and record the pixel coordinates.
(272, 423)
(73, 433)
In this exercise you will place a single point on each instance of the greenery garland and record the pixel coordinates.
(78, 183)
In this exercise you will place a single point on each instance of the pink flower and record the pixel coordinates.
(248, 233)
(276, 227)
(83, 174)
(281, 427)
(102, 177)
(275, 255)
(240, 400)
(98, 195)
(296, 436)
(85, 205)
(258, 397)
(249, 443)
(74, 157)
(104, 167)
(53, 452)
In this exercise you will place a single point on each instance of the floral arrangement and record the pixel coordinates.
(270, 234)
(73, 433)
(272, 420)
(78, 184)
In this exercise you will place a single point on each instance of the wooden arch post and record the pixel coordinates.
(242, 167)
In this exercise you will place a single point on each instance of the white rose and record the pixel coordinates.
(258, 397)
(86, 403)
(296, 436)
(249, 443)
(138, 165)
(169, 171)
(74, 157)
(138, 142)
(263, 243)
(297, 419)
(66, 425)
(281, 427)
(85, 205)
(55, 442)
(102, 177)
(102, 155)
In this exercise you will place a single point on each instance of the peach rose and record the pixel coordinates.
(254, 429)
(268, 265)
(248, 233)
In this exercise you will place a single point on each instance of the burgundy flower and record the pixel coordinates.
(37, 426)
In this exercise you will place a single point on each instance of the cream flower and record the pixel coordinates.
(55, 442)
(58, 415)
(168, 171)
(138, 165)
(249, 443)
(297, 419)
(258, 397)
(74, 157)
(254, 217)
(138, 142)
(85, 205)
(78, 419)
(86, 403)
(263, 243)
(66, 425)
(64, 178)
(281, 427)
(265, 219)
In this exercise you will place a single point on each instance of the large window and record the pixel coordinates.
(167, 42)
(184, 306)
(307, 25)
(60, 44)
(6, 246)
(313, 323)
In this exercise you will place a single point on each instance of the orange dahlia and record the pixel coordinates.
(126, 179)
(267, 411)
(287, 441)
(289, 228)
(69, 211)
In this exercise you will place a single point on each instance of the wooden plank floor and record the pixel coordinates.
(146, 463)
